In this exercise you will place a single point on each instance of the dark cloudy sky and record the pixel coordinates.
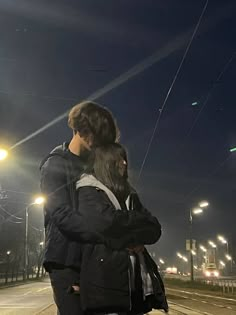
(53, 54)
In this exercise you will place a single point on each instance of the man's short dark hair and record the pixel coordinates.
(90, 119)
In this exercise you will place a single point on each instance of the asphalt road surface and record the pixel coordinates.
(204, 303)
(36, 298)
(25, 299)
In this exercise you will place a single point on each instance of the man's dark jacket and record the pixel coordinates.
(66, 230)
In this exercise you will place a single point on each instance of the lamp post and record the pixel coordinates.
(224, 241)
(195, 211)
(185, 259)
(38, 201)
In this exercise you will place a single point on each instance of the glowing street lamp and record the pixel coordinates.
(195, 211)
(179, 255)
(3, 154)
(194, 253)
(222, 263)
(224, 241)
(203, 248)
(233, 149)
(203, 204)
(228, 257)
(39, 200)
(8, 252)
(212, 244)
(185, 259)
(161, 261)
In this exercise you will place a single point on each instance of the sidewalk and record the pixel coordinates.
(174, 310)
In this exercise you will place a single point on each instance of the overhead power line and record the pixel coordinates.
(170, 89)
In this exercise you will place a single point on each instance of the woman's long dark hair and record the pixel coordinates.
(110, 166)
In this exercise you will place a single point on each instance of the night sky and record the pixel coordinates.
(53, 54)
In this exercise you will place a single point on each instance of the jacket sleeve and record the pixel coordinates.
(144, 234)
(120, 228)
(87, 224)
(58, 207)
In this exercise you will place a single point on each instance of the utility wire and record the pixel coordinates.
(8, 213)
(170, 89)
(208, 95)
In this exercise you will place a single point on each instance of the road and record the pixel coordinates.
(33, 298)
(27, 299)
(207, 304)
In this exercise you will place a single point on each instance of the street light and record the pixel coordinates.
(194, 211)
(203, 248)
(179, 255)
(224, 241)
(228, 257)
(212, 244)
(222, 263)
(161, 261)
(38, 201)
(185, 259)
(233, 149)
(3, 154)
(203, 204)
(197, 211)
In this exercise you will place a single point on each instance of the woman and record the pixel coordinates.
(115, 275)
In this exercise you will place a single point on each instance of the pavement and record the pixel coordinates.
(26, 299)
(35, 298)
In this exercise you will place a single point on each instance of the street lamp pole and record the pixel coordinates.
(191, 244)
(195, 211)
(38, 201)
(26, 247)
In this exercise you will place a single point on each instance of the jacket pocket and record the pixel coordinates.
(104, 279)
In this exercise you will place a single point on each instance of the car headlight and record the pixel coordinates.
(216, 274)
(207, 273)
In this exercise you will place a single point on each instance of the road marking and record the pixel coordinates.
(203, 295)
(27, 293)
(218, 305)
(193, 311)
(40, 290)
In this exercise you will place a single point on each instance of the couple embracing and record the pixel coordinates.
(96, 226)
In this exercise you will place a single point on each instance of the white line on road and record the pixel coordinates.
(218, 305)
(191, 311)
(27, 293)
(204, 295)
(40, 290)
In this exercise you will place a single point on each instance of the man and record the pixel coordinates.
(92, 125)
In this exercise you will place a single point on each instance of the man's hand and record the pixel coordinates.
(136, 249)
